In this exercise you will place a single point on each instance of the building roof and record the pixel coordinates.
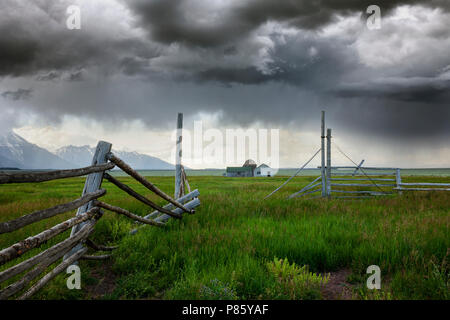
(239, 169)
(263, 165)
(250, 163)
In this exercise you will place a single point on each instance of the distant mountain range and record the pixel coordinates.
(16, 152)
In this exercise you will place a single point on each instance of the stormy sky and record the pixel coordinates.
(238, 63)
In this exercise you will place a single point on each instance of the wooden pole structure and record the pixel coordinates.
(178, 178)
(322, 138)
(328, 162)
(398, 179)
(92, 184)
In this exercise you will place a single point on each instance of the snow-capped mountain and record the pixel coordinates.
(16, 152)
(82, 156)
(19, 153)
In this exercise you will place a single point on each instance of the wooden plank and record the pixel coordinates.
(358, 167)
(308, 187)
(422, 189)
(122, 165)
(52, 175)
(353, 197)
(360, 185)
(99, 247)
(29, 243)
(93, 183)
(362, 175)
(191, 205)
(132, 215)
(424, 184)
(63, 246)
(364, 168)
(183, 200)
(27, 278)
(361, 192)
(49, 276)
(179, 143)
(136, 195)
(308, 192)
(356, 179)
(23, 221)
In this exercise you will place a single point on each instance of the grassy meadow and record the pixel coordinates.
(238, 246)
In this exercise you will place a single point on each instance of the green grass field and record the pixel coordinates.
(231, 248)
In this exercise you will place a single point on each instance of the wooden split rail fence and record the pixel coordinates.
(89, 212)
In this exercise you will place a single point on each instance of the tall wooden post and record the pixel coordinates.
(398, 180)
(328, 162)
(178, 179)
(92, 183)
(322, 171)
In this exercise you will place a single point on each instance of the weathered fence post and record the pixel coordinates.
(398, 180)
(92, 183)
(322, 138)
(178, 178)
(328, 162)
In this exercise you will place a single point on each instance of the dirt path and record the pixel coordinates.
(337, 287)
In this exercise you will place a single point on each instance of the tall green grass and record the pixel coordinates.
(224, 249)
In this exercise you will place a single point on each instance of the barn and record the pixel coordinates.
(249, 169)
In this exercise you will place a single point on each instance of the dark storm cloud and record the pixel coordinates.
(170, 21)
(35, 40)
(19, 94)
(198, 56)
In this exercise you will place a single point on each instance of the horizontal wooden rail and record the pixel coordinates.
(122, 165)
(29, 243)
(129, 214)
(424, 184)
(363, 174)
(182, 200)
(23, 221)
(98, 247)
(365, 168)
(307, 187)
(49, 276)
(375, 193)
(136, 195)
(350, 179)
(191, 205)
(361, 185)
(52, 175)
(308, 192)
(353, 197)
(422, 189)
(63, 246)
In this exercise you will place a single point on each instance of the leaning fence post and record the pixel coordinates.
(92, 183)
(328, 162)
(322, 171)
(178, 178)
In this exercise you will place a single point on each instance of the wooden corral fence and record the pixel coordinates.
(90, 210)
(354, 182)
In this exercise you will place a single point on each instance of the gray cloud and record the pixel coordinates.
(266, 60)
(19, 94)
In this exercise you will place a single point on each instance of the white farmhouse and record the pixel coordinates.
(263, 171)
